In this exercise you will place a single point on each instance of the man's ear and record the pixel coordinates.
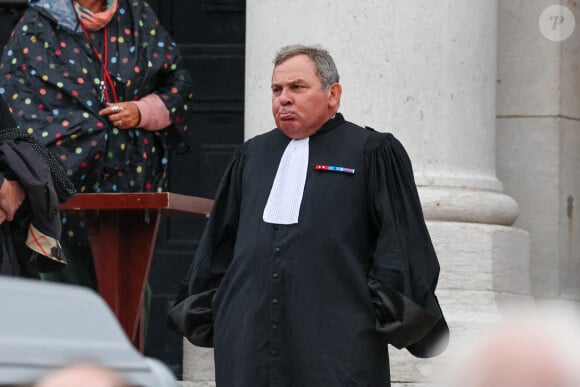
(334, 93)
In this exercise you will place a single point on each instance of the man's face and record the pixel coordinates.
(299, 105)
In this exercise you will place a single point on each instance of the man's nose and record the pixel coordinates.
(284, 98)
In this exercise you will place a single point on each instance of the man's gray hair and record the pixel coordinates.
(325, 67)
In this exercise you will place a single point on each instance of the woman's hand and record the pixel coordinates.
(123, 115)
(11, 197)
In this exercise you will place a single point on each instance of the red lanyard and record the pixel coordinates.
(107, 82)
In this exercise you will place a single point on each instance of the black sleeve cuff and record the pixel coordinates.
(193, 318)
(403, 323)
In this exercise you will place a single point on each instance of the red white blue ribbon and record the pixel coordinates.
(332, 168)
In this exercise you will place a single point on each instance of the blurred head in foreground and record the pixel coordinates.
(82, 375)
(528, 351)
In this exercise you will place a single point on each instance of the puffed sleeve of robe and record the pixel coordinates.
(192, 314)
(405, 269)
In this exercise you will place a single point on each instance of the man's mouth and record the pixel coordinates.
(284, 116)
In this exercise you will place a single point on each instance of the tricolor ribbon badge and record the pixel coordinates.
(332, 168)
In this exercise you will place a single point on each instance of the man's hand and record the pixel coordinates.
(11, 197)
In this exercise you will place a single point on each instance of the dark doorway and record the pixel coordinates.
(10, 12)
(211, 36)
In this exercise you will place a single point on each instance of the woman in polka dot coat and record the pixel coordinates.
(102, 85)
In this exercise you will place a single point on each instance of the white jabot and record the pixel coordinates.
(283, 206)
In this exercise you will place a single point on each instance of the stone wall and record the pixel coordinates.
(538, 141)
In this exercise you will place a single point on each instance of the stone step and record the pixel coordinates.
(196, 384)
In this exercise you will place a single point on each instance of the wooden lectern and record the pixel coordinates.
(122, 229)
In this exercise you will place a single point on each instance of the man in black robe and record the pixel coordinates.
(316, 255)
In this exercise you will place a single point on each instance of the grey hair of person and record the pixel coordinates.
(323, 62)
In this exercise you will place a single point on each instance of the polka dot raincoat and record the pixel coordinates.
(50, 76)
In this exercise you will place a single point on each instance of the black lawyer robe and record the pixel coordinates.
(315, 304)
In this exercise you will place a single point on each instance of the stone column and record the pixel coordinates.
(538, 122)
(425, 71)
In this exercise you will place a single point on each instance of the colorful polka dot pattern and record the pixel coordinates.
(50, 78)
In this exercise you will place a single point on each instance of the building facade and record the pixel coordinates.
(483, 95)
